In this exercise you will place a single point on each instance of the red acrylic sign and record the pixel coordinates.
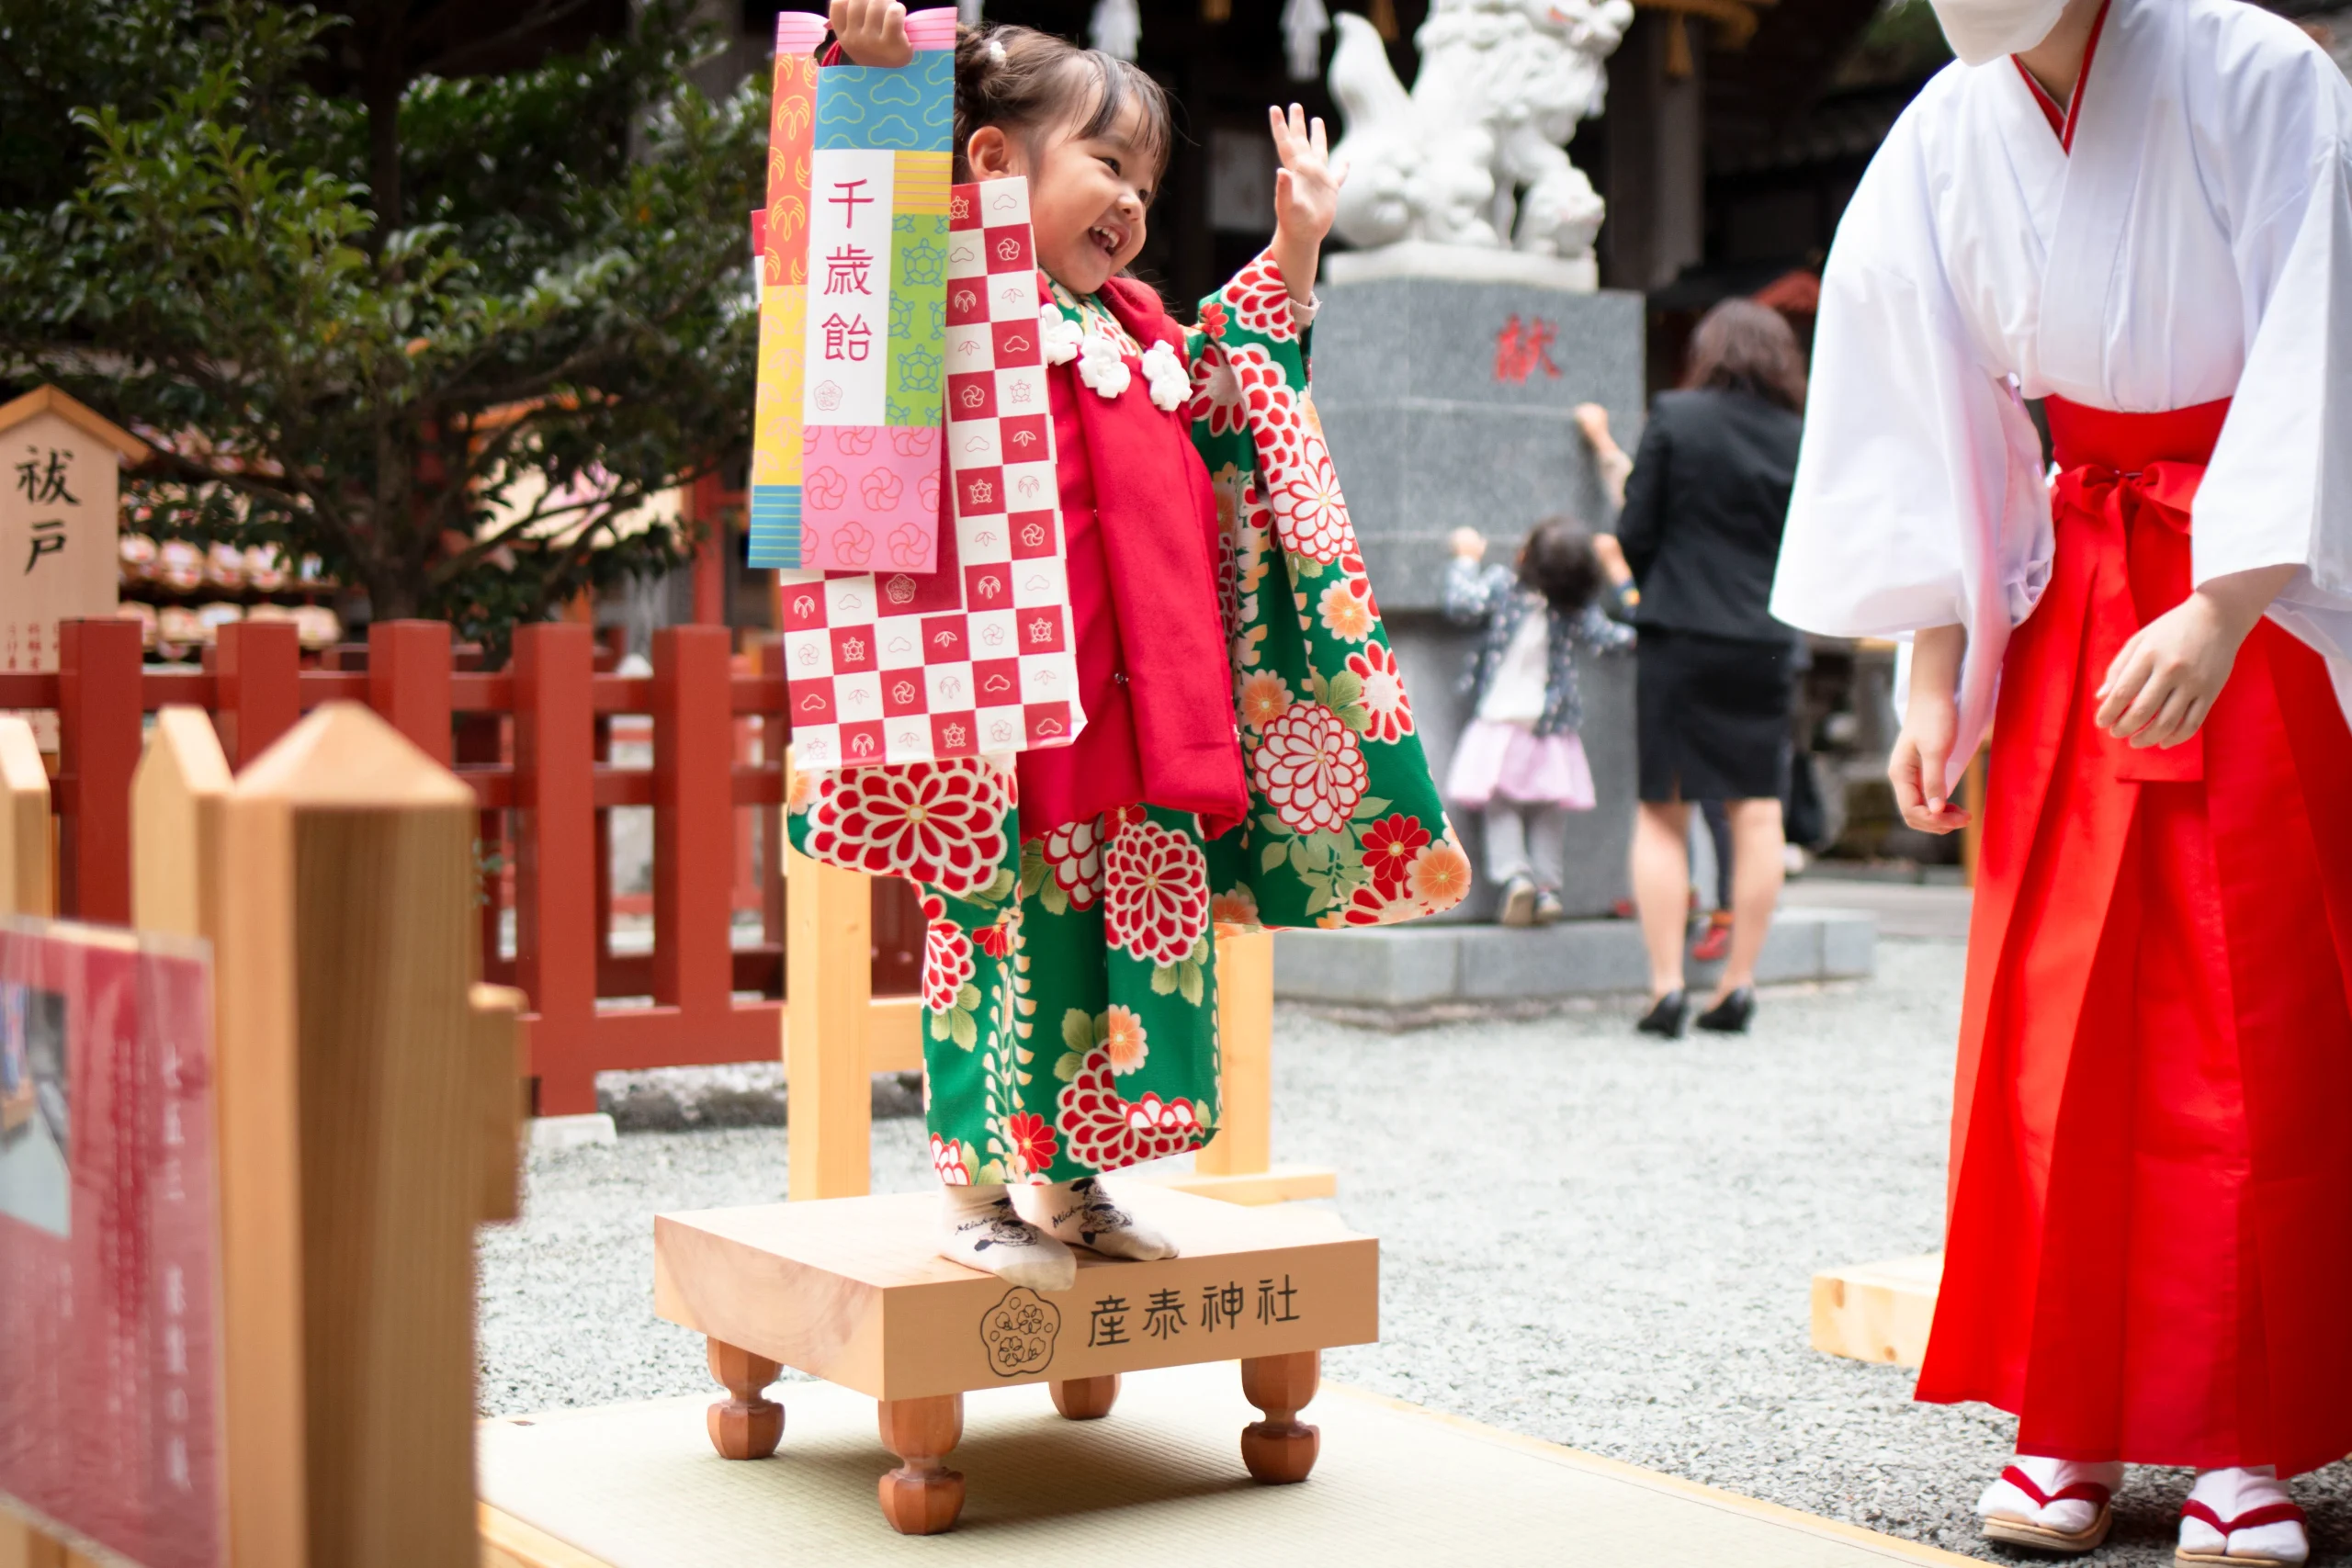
(109, 1243)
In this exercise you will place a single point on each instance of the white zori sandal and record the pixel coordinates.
(2051, 1505)
(2242, 1518)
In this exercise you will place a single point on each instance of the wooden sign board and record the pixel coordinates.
(59, 519)
(109, 1243)
(853, 1290)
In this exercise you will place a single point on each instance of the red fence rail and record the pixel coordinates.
(534, 742)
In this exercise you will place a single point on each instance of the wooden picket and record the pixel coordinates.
(367, 1099)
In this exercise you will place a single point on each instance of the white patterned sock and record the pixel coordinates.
(981, 1231)
(1082, 1213)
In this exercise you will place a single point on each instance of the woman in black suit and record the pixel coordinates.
(1715, 676)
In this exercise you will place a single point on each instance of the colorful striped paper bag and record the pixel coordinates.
(780, 239)
(878, 261)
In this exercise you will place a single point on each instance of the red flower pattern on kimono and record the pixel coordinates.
(996, 940)
(940, 823)
(1155, 892)
(1032, 1139)
(948, 1162)
(946, 956)
(1103, 1131)
(1073, 854)
(1310, 768)
(1260, 300)
(1388, 712)
(1389, 846)
(1213, 319)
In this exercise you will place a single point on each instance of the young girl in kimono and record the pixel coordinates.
(1520, 761)
(1248, 755)
(2137, 211)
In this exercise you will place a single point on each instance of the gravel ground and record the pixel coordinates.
(1630, 1277)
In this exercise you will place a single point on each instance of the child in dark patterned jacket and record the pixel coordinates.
(1520, 762)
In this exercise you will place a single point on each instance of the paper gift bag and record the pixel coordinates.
(780, 241)
(975, 656)
(877, 258)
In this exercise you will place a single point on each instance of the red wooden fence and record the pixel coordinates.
(534, 742)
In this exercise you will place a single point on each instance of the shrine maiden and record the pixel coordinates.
(2139, 213)
(1248, 755)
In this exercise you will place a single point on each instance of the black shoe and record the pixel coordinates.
(1666, 1015)
(1730, 1015)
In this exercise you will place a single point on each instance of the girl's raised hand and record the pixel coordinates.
(872, 32)
(1307, 196)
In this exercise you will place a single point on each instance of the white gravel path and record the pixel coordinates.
(1587, 1237)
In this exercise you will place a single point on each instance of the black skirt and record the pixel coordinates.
(1711, 715)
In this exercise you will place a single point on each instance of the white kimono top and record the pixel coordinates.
(2196, 244)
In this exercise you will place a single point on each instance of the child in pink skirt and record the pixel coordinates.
(1520, 762)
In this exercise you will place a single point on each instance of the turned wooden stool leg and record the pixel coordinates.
(923, 1496)
(1086, 1399)
(1281, 1447)
(745, 1425)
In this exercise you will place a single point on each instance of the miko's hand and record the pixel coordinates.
(1922, 755)
(2163, 682)
(872, 32)
(1307, 196)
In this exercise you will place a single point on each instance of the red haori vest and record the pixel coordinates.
(1155, 675)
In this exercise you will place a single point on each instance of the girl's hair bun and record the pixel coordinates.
(1023, 81)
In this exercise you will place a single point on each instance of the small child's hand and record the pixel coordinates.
(1593, 420)
(1467, 543)
(1307, 197)
(872, 32)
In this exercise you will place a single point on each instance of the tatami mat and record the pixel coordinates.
(1157, 1482)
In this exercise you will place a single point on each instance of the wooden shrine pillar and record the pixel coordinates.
(829, 993)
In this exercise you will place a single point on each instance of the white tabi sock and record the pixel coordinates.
(1082, 1213)
(2072, 1516)
(981, 1231)
(2232, 1495)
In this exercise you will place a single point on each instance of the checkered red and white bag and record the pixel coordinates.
(976, 656)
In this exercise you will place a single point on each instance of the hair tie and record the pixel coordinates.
(996, 52)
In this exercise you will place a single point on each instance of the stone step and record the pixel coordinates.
(1418, 965)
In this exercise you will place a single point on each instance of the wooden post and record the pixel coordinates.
(28, 885)
(408, 682)
(180, 831)
(257, 686)
(1245, 1021)
(828, 987)
(1237, 1165)
(556, 869)
(501, 1055)
(694, 821)
(352, 1168)
(98, 721)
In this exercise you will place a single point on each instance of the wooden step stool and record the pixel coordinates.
(851, 1290)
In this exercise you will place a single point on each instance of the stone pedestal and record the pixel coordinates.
(1448, 403)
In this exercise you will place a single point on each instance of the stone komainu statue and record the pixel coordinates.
(1472, 155)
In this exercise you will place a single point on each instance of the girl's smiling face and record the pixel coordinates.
(1088, 195)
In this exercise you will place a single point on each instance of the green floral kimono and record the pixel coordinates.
(1070, 980)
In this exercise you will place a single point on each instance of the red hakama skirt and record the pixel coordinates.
(2149, 1243)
